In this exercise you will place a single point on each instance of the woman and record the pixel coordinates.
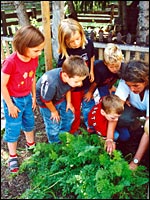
(133, 89)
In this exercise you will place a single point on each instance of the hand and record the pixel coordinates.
(132, 165)
(88, 96)
(110, 146)
(71, 107)
(13, 111)
(55, 116)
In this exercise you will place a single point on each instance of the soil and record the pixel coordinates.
(13, 186)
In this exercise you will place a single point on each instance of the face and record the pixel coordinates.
(35, 51)
(76, 81)
(75, 41)
(137, 88)
(115, 67)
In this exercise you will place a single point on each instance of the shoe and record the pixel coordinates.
(13, 165)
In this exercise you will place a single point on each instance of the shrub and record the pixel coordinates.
(80, 168)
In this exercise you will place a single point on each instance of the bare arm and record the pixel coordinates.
(90, 92)
(143, 145)
(34, 93)
(13, 110)
(69, 104)
(92, 69)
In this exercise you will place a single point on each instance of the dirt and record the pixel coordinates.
(13, 186)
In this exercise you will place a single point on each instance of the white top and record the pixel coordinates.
(124, 92)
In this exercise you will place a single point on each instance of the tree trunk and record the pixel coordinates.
(123, 16)
(21, 13)
(45, 8)
(143, 22)
(71, 8)
(58, 15)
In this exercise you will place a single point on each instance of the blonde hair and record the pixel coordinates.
(66, 28)
(112, 54)
(112, 104)
(146, 127)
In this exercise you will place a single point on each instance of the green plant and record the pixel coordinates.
(80, 168)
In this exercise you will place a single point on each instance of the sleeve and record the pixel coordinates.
(60, 61)
(122, 90)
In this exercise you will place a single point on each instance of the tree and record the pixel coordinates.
(143, 22)
(21, 13)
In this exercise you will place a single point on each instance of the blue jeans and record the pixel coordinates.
(24, 121)
(86, 107)
(122, 134)
(53, 129)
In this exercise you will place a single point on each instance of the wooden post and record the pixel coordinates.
(45, 10)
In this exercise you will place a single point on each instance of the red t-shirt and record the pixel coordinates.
(21, 75)
(97, 120)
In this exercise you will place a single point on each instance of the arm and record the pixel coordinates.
(90, 92)
(92, 69)
(69, 104)
(109, 144)
(143, 145)
(34, 93)
(13, 110)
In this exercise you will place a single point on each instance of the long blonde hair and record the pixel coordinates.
(66, 28)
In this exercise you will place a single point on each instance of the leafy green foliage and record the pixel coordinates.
(80, 168)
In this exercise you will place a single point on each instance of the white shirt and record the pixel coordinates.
(124, 92)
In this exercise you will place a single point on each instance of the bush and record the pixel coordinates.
(80, 168)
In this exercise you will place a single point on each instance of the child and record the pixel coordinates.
(134, 87)
(19, 91)
(106, 71)
(109, 108)
(72, 41)
(54, 96)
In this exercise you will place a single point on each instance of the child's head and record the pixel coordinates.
(136, 75)
(113, 57)
(70, 35)
(74, 70)
(28, 37)
(112, 107)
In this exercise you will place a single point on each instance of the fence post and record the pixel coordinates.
(4, 25)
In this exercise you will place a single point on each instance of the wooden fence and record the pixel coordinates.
(95, 18)
(130, 51)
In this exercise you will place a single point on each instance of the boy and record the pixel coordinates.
(53, 93)
(109, 108)
(106, 71)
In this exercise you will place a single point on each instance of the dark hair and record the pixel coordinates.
(135, 71)
(75, 65)
(27, 37)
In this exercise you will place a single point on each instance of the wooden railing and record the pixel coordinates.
(129, 51)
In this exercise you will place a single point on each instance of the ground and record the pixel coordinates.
(13, 187)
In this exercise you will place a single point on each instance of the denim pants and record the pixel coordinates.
(24, 121)
(53, 128)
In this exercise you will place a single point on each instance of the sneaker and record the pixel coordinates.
(13, 165)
